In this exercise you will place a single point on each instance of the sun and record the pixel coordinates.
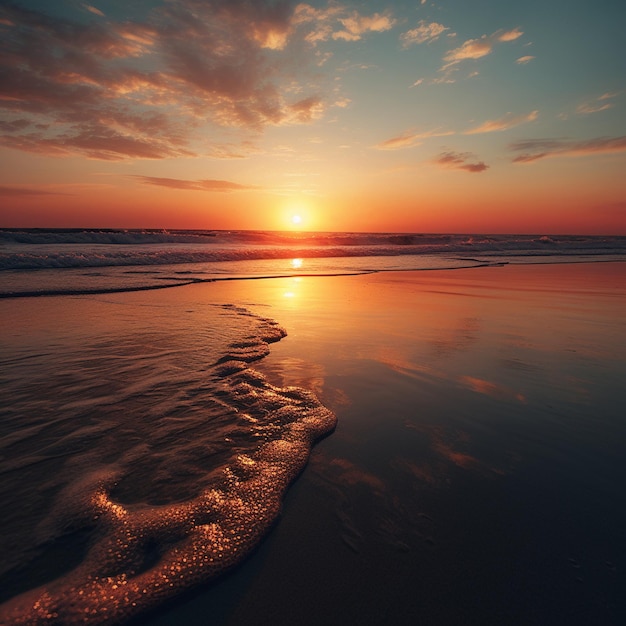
(296, 215)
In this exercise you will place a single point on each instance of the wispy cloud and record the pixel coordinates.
(460, 161)
(95, 142)
(601, 103)
(194, 185)
(478, 48)
(93, 10)
(410, 138)
(424, 32)
(503, 123)
(525, 59)
(536, 149)
(16, 192)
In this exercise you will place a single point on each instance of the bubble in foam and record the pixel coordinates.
(143, 555)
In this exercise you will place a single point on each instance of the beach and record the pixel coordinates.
(312, 313)
(475, 474)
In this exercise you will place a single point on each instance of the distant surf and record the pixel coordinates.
(76, 261)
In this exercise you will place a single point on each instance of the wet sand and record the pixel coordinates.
(476, 475)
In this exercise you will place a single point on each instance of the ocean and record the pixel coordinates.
(77, 261)
(161, 392)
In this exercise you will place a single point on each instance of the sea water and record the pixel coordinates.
(141, 453)
(39, 262)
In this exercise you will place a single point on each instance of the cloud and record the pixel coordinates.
(410, 138)
(536, 149)
(510, 35)
(460, 161)
(478, 48)
(307, 109)
(504, 123)
(93, 10)
(424, 32)
(95, 143)
(195, 185)
(525, 59)
(357, 25)
(598, 104)
(13, 192)
(335, 22)
(168, 85)
(587, 108)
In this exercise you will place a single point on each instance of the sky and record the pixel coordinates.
(423, 116)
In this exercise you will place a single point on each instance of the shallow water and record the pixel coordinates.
(140, 454)
(75, 261)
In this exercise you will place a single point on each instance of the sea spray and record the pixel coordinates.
(37, 262)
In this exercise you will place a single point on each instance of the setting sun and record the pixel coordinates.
(296, 220)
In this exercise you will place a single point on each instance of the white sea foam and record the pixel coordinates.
(178, 257)
(163, 459)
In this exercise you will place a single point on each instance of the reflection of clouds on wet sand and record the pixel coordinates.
(396, 360)
(492, 389)
(346, 472)
(369, 509)
(447, 448)
(456, 339)
(382, 500)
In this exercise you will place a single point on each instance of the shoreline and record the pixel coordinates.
(478, 264)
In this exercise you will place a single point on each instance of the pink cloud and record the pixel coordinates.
(12, 192)
(422, 33)
(336, 22)
(601, 103)
(94, 143)
(144, 90)
(460, 161)
(478, 48)
(195, 185)
(355, 26)
(93, 10)
(410, 138)
(536, 149)
(503, 123)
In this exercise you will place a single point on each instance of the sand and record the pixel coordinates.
(476, 475)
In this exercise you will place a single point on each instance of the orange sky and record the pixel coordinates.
(369, 116)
